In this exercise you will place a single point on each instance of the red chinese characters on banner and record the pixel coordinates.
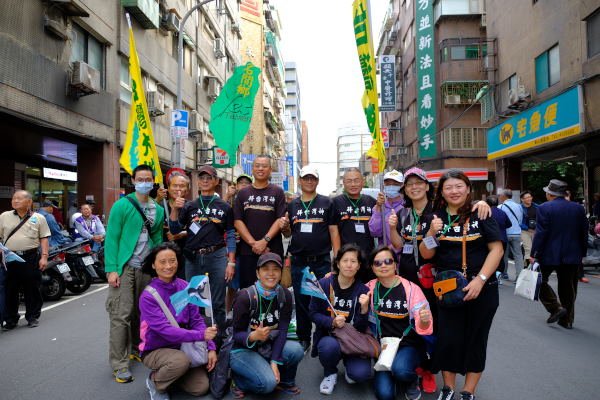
(374, 166)
(251, 7)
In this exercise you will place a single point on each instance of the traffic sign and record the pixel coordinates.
(179, 124)
(385, 137)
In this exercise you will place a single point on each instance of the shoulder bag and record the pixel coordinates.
(197, 351)
(17, 227)
(448, 285)
(147, 222)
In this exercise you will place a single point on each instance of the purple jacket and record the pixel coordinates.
(375, 221)
(155, 330)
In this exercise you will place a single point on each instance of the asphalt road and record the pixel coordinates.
(66, 357)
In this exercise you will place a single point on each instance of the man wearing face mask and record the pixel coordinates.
(391, 201)
(135, 226)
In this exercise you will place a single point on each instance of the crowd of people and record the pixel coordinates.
(420, 264)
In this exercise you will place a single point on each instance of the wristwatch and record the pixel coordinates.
(483, 277)
(267, 239)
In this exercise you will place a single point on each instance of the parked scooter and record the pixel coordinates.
(55, 276)
(80, 259)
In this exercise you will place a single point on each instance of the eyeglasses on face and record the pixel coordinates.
(415, 184)
(387, 261)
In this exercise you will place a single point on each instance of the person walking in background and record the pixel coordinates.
(135, 226)
(392, 201)
(513, 233)
(528, 222)
(504, 223)
(580, 271)
(559, 245)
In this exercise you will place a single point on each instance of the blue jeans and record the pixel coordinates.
(2, 293)
(321, 267)
(403, 372)
(214, 264)
(357, 368)
(252, 373)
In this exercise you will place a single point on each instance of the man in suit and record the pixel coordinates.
(559, 245)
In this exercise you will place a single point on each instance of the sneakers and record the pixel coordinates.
(428, 382)
(348, 379)
(33, 323)
(328, 383)
(154, 393)
(446, 394)
(412, 391)
(499, 277)
(466, 396)
(135, 356)
(123, 375)
(583, 279)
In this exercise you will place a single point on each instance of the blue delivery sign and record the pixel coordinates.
(550, 121)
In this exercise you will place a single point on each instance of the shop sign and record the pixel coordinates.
(553, 120)
(247, 161)
(220, 158)
(385, 137)
(60, 174)
(425, 43)
(277, 179)
(387, 68)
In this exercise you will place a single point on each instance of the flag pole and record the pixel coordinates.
(383, 221)
(212, 313)
(326, 297)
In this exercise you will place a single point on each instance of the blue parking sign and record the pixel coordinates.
(179, 124)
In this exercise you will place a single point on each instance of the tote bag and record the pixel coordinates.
(529, 282)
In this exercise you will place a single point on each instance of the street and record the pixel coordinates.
(66, 357)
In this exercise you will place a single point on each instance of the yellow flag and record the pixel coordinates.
(364, 45)
(139, 145)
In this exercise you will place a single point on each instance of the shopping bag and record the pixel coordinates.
(529, 282)
(389, 348)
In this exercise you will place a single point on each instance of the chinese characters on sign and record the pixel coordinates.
(387, 67)
(426, 116)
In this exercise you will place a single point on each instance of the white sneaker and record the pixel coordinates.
(348, 379)
(327, 384)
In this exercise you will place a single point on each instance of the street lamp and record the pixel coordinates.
(176, 142)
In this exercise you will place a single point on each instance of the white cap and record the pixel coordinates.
(309, 170)
(394, 175)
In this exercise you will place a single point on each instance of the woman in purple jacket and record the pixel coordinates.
(160, 340)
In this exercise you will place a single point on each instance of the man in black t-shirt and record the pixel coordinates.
(210, 244)
(313, 232)
(257, 210)
(352, 212)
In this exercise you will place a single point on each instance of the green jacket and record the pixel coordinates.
(123, 230)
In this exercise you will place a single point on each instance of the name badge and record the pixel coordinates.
(430, 242)
(195, 228)
(372, 319)
(306, 227)
(407, 249)
(359, 228)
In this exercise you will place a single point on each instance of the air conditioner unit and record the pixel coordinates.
(196, 122)
(85, 79)
(56, 28)
(452, 99)
(156, 103)
(235, 27)
(522, 93)
(393, 36)
(219, 48)
(214, 87)
(170, 22)
(394, 124)
(513, 96)
(483, 20)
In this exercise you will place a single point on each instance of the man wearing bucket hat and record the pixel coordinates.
(389, 202)
(559, 245)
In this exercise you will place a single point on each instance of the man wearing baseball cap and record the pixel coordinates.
(210, 245)
(313, 231)
(391, 201)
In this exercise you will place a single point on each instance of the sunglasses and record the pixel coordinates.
(379, 263)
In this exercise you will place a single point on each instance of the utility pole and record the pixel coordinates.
(176, 142)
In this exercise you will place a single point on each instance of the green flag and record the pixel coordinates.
(231, 113)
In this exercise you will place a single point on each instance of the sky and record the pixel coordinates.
(318, 35)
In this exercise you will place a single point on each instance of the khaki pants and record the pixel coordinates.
(527, 239)
(122, 305)
(173, 366)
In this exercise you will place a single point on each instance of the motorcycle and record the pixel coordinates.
(55, 276)
(81, 261)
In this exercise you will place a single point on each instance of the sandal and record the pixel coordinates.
(293, 389)
(237, 393)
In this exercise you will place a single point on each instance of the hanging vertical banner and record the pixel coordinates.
(426, 116)
(387, 68)
(370, 102)
(139, 145)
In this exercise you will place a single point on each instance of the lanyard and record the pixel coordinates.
(355, 205)
(377, 298)
(91, 227)
(450, 222)
(260, 320)
(207, 206)
(307, 207)
(415, 222)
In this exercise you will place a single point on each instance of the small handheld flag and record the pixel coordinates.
(196, 292)
(310, 287)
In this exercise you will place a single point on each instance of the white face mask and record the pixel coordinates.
(144, 187)
(391, 191)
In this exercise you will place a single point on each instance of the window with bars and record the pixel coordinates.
(464, 138)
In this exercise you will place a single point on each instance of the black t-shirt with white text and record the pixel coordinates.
(206, 220)
(392, 310)
(352, 218)
(309, 222)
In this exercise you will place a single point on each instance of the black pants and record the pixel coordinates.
(247, 266)
(567, 276)
(27, 276)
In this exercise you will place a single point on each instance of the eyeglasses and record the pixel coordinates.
(142, 180)
(379, 263)
(415, 184)
(309, 178)
(205, 178)
(353, 181)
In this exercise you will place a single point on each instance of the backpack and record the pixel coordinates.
(220, 376)
(253, 297)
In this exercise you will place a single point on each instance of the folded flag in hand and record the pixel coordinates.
(310, 285)
(196, 292)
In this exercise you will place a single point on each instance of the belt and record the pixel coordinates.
(209, 249)
(311, 258)
(25, 252)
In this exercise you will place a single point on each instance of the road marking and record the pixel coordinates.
(71, 299)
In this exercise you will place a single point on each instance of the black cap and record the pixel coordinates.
(265, 258)
(46, 203)
(207, 169)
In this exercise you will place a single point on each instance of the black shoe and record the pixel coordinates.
(566, 325)
(8, 326)
(557, 315)
(466, 396)
(33, 323)
(446, 394)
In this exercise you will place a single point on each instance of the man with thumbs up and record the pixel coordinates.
(313, 232)
(210, 245)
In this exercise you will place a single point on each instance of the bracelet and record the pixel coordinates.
(231, 263)
(44, 254)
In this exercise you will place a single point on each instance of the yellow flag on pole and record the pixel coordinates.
(364, 45)
(139, 145)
